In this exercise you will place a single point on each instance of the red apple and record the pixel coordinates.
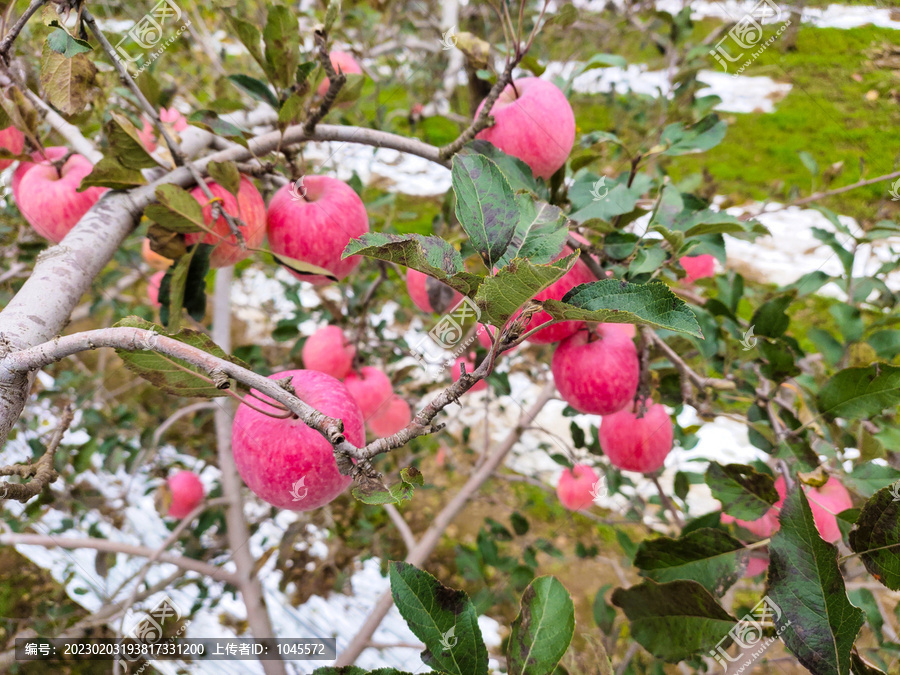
(698, 266)
(597, 373)
(153, 288)
(49, 200)
(328, 351)
(579, 274)
(429, 294)
(154, 259)
(173, 118)
(371, 389)
(13, 140)
(147, 135)
(637, 444)
(391, 418)
(283, 461)
(186, 491)
(52, 154)
(317, 226)
(756, 565)
(533, 122)
(249, 207)
(576, 487)
(628, 330)
(762, 527)
(456, 371)
(343, 63)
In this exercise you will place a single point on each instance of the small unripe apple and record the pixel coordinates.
(579, 274)
(328, 351)
(49, 199)
(575, 488)
(469, 361)
(51, 154)
(285, 462)
(316, 223)
(391, 418)
(371, 389)
(597, 373)
(249, 207)
(13, 140)
(429, 294)
(635, 443)
(153, 288)
(186, 493)
(343, 63)
(154, 259)
(698, 266)
(534, 122)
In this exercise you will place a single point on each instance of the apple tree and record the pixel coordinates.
(576, 256)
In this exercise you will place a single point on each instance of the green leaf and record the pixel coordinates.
(612, 301)
(867, 479)
(225, 174)
(177, 210)
(770, 320)
(292, 111)
(249, 36)
(706, 134)
(69, 83)
(675, 620)
(604, 615)
(601, 197)
(443, 618)
(502, 295)
(431, 255)
(302, 267)
(172, 375)
(332, 14)
(257, 89)
(745, 493)
(540, 234)
(517, 172)
(485, 206)
(860, 393)
(126, 144)
(708, 556)
(108, 172)
(282, 45)
(410, 479)
(352, 89)
(303, 71)
(185, 286)
(210, 120)
(805, 585)
(878, 527)
(60, 41)
(542, 631)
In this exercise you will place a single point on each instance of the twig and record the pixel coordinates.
(402, 526)
(185, 563)
(698, 380)
(816, 196)
(429, 541)
(42, 472)
(667, 503)
(335, 84)
(8, 39)
(364, 304)
(587, 258)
